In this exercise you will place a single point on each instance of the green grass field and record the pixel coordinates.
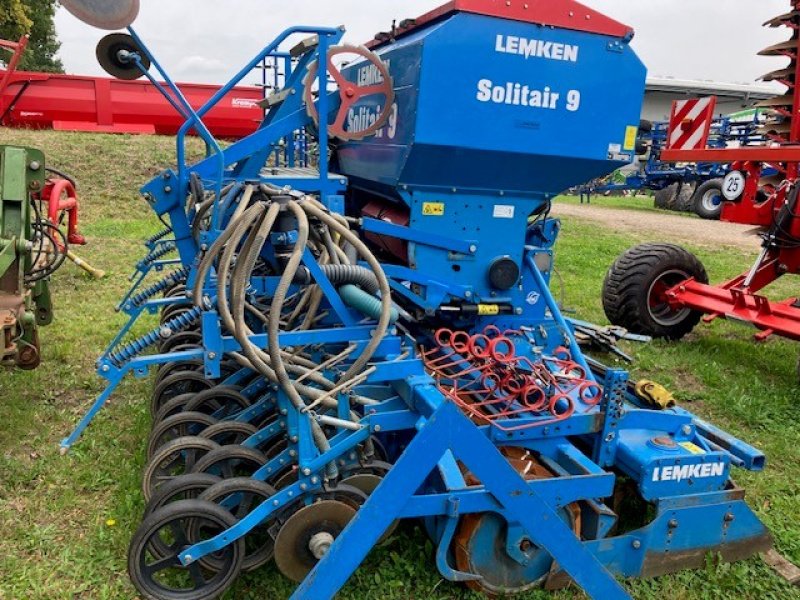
(65, 522)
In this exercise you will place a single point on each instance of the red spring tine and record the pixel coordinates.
(491, 331)
(444, 337)
(499, 344)
(561, 414)
(460, 342)
(590, 393)
(562, 353)
(480, 346)
(534, 397)
(515, 383)
(491, 382)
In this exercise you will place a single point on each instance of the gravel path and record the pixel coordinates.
(665, 226)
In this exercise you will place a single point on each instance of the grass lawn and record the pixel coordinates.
(66, 521)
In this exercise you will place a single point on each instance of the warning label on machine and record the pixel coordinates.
(433, 209)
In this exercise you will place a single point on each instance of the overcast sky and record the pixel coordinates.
(208, 40)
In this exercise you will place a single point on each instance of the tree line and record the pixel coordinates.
(34, 17)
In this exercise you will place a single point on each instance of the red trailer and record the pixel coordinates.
(99, 104)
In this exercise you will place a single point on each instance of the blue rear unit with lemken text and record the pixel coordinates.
(488, 125)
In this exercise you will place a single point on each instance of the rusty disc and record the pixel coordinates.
(480, 540)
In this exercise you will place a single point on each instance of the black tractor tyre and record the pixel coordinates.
(635, 286)
(665, 199)
(685, 200)
(707, 200)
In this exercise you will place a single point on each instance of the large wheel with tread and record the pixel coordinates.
(634, 291)
(665, 199)
(707, 200)
(685, 200)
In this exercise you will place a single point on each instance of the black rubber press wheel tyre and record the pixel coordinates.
(183, 382)
(241, 496)
(707, 200)
(185, 487)
(183, 524)
(178, 457)
(178, 425)
(634, 291)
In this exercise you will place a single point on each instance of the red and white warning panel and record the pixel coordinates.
(690, 123)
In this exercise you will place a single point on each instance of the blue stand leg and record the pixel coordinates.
(67, 443)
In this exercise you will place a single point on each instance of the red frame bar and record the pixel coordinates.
(772, 318)
(770, 154)
(562, 14)
(17, 49)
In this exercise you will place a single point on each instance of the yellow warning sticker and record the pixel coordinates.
(488, 310)
(433, 209)
(631, 132)
(693, 448)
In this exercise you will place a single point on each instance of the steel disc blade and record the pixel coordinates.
(104, 14)
(108, 55)
(293, 554)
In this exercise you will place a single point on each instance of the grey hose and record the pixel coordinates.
(313, 208)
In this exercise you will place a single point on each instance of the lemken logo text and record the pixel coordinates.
(679, 473)
(509, 44)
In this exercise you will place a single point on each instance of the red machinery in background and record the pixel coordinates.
(662, 290)
(98, 104)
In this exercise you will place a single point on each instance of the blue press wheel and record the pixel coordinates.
(240, 496)
(708, 199)
(177, 426)
(185, 487)
(229, 433)
(179, 526)
(231, 461)
(172, 460)
(183, 382)
(221, 400)
(168, 369)
(172, 407)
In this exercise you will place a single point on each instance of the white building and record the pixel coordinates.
(731, 97)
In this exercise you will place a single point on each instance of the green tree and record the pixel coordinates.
(14, 21)
(36, 17)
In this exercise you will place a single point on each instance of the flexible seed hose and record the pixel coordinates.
(247, 265)
(314, 208)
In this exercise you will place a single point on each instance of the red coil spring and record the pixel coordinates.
(484, 376)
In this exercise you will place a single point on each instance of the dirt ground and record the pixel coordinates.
(670, 227)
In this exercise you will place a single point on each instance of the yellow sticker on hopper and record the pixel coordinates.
(631, 132)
